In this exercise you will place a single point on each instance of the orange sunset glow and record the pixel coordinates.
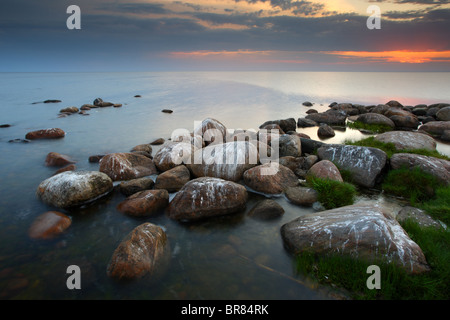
(402, 56)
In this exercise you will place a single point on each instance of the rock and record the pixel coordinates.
(52, 101)
(307, 104)
(145, 148)
(266, 209)
(394, 104)
(70, 167)
(137, 96)
(104, 104)
(405, 122)
(174, 179)
(211, 130)
(330, 117)
(443, 114)
(19, 140)
(291, 162)
(69, 110)
(365, 164)
(145, 203)
(96, 158)
(157, 142)
(325, 169)
(361, 230)
(136, 185)
(126, 166)
(206, 197)
(55, 159)
(446, 135)
(167, 111)
(376, 118)
(69, 189)
(407, 140)
(53, 133)
(87, 107)
(49, 225)
(311, 146)
(285, 124)
(5, 126)
(97, 102)
(311, 111)
(272, 126)
(435, 128)
(227, 161)
(144, 252)
(418, 216)
(117, 105)
(346, 108)
(437, 167)
(289, 145)
(302, 196)
(304, 123)
(270, 178)
(325, 131)
(173, 154)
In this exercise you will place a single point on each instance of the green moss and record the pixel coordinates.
(413, 184)
(376, 128)
(390, 148)
(351, 274)
(333, 194)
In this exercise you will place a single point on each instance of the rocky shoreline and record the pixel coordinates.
(205, 181)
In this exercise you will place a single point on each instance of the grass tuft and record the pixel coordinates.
(333, 194)
(376, 128)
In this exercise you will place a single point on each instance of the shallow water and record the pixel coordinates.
(232, 257)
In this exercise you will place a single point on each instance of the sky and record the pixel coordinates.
(217, 35)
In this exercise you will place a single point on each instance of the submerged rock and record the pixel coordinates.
(52, 133)
(70, 188)
(144, 203)
(144, 252)
(362, 230)
(126, 166)
(55, 159)
(302, 196)
(136, 185)
(49, 225)
(266, 209)
(207, 197)
(325, 131)
(364, 164)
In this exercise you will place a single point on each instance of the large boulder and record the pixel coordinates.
(443, 114)
(402, 119)
(52, 133)
(227, 161)
(437, 167)
(376, 118)
(126, 166)
(174, 179)
(435, 128)
(144, 252)
(270, 178)
(289, 145)
(173, 154)
(74, 188)
(145, 203)
(363, 230)
(285, 124)
(325, 169)
(407, 140)
(364, 164)
(207, 197)
(330, 117)
(212, 131)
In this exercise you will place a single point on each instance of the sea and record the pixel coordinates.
(232, 257)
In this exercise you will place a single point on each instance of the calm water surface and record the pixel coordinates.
(232, 257)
